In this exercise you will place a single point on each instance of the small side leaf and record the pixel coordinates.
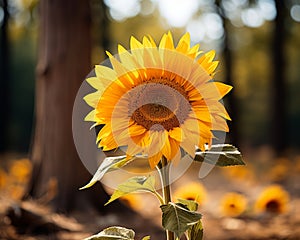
(196, 231)
(109, 164)
(221, 155)
(115, 233)
(134, 184)
(177, 218)
(190, 204)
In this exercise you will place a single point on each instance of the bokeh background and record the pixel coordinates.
(257, 43)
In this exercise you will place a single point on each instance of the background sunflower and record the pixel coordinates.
(273, 199)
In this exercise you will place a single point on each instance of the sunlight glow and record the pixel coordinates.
(251, 17)
(208, 26)
(147, 7)
(120, 10)
(267, 9)
(178, 12)
(295, 13)
(196, 30)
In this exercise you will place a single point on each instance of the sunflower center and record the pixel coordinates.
(159, 103)
(190, 198)
(273, 206)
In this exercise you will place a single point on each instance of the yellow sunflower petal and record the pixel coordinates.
(91, 116)
(223, 89)
(95, 82)
(176, 134)
(193, 52)
(175, 150)
(207, 57)
(108, 143)
(92, 99)
(188, 146)
(148, 43)
(154, 160)
(166, 42)
(167, 149)
(118, 67)
(104, 72)
(152, 41)
(135, 44)
(127, 60)
(104, 132)
(184, 43)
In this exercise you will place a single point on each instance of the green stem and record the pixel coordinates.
(159, 197)
(164, 173)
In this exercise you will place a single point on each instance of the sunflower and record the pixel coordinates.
(233, 204)
(20, 170)
(273, 199)
(3, 179)
(239, 172)
(191, 191)
(157, 99)
(133, 200)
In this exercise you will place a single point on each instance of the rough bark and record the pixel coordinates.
(63, 63)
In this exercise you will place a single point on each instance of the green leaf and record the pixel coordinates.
(190, 204)
(134, 184)
(196, 231)
(177, 218)
(116, 233)
(109, 164)
(221, 155)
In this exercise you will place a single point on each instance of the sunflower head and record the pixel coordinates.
(193, 191)
(134, 201)
(233, 204)
(273, 199)
(20, 170)
(157, 99)
(242, 173)
(3, 179)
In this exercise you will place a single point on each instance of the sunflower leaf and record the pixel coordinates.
(109, 164)
(221, 155)
(178, 218)
(134, 184)
(190, 204)
(116, 233)
(196, 231)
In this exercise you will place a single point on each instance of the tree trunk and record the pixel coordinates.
(232, 101)
(63, 63)
(234, 133)
(278, 103)
(4, 79)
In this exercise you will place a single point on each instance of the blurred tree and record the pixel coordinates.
(4, 77)
(228, 66)
(278, 117)
(63, 62)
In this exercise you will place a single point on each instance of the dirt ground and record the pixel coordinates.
(32, 221)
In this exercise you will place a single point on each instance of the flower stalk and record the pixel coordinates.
(164, 173)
